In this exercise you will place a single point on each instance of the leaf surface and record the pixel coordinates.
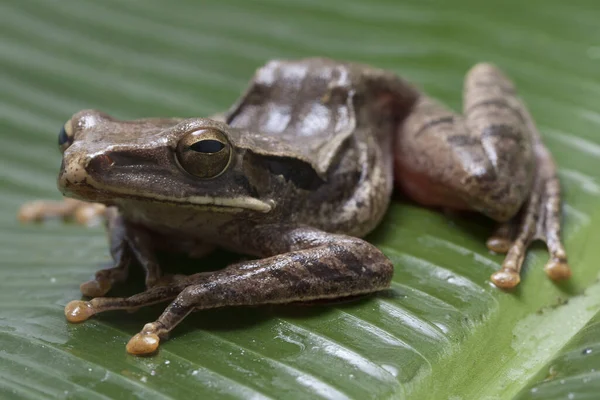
(441, 331)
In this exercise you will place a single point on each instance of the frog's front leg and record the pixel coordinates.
(84, 213)
(492, 160)
(304, 264)
(121, 253)
(125, 241)
(129, 242)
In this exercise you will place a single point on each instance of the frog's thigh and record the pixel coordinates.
(482, 161)
(425, 163)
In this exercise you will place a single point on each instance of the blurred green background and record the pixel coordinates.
(441, 332)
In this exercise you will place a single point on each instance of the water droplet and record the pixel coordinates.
(195, 372)
(586, 351)
(144, 379)
(153, 372)
(89, 369)
(167, 362)
(52, 280)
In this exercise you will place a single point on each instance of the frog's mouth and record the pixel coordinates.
(76, 183)
(204, 203)
(235, 204)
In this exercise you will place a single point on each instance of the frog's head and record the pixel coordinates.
(197, 162)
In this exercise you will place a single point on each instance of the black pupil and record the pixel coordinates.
(207, 146)
(62, 137)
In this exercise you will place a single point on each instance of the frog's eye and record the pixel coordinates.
(208, 146)
(204, 153)
(65, 136)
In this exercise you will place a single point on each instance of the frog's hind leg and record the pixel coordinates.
(539, 220)
(492, 107)
(491, 160)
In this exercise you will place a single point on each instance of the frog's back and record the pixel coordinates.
(303, 105)
(283, 94)
(337, 116)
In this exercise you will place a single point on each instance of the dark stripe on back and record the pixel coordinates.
(443, 120)
(497, 102)
(463, 140)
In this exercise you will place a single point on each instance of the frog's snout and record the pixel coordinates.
(72, 171)
(74, 178)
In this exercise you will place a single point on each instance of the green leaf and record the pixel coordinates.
(576, 367)
(441, 331)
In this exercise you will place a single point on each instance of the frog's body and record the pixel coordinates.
(297, 170)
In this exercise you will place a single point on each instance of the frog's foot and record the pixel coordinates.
(503, 236)
(540, 219)
(81, 212)
(79, 310)
(146, 342)
(104, 280)
(96, 287)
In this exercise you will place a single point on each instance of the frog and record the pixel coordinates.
(295, 174)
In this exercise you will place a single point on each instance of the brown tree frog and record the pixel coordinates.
(299, 169)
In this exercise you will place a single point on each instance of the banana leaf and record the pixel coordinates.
(442, 331)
